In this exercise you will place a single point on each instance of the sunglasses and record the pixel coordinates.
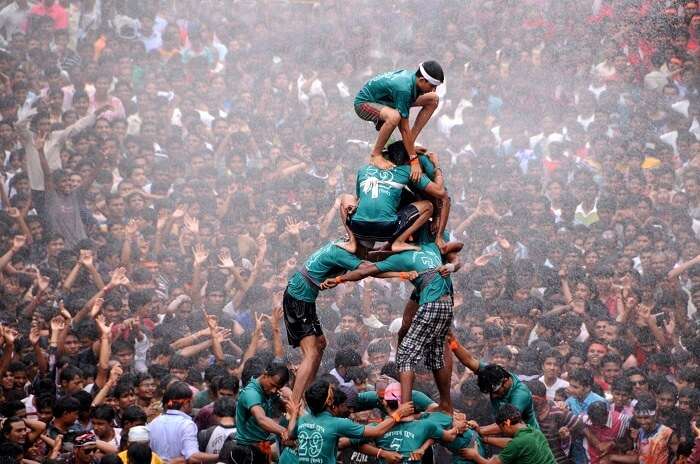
(89, 450)
(639, 382)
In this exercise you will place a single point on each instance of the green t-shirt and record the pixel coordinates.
(432, 286)
(248, 432)
(427, 166)
(406, 437)
(379, 192)
(465, 440)
(528, 445)
(395, 89)
(317, 437)
(328, 261)
(520, 397)
(370, 400)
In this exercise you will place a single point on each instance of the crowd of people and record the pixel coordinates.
(168, 166)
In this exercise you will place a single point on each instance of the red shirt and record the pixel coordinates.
(55, 12)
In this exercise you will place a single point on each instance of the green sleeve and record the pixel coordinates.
(427, 166)
(349, 428)
(367, 400)
(423, 182)
(345, 259)
(433, 430)
(403, 103)
(394, 263)
(511, 452)
(421, 401)
(249, 399)
(521, 399)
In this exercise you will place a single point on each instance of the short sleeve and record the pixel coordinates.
(350, 429)
(190, 445)
(510, 453)
(393, 263)
(403, 103)
(422, 182)
(421, 401)
(249, 399)
(346, 260)
(367, 400)
(434, 431)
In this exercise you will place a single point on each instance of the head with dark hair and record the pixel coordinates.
(598, 413)
(494, 380)
(319, 396)
(275, 376)
(390, 369)
(580, 383)
(233, 453)
(225, 407)
(71, 379)
(102, 418)
(666, 396)
(133, 416)
(66, 409)
(345, 358)
(508, 417)
(178, 396)
(139, 453)
(14, 430)
(645, 412)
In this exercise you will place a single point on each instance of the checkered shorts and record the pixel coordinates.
(426, 337)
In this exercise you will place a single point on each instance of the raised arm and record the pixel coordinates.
(462, 354)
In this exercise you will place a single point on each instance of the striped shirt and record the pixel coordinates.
(550, 425)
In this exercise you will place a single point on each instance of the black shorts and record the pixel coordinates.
(300, 318)
(383, 231)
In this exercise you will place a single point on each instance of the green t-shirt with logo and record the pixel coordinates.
(328, 261)
(248, 431)
(466, 440)
(379, 192)
(520, 397)
(317, 437)
(432, 286)
(395, 89)
(528, 445)
(370, 400)
(406, 437)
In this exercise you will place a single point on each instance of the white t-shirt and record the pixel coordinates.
(551, 391)
(218, 437)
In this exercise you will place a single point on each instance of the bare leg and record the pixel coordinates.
(425, 208)
(391, 119)
(443, 377)
(429, 103)
(444, 210)
(406, 378)
(347, 204)
(409, 312)
(312, 350)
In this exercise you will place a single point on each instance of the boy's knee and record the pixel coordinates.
(431, 99)
(393, 118)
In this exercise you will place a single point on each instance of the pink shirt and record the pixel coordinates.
(55, 12)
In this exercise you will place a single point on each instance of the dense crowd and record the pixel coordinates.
(168, 165)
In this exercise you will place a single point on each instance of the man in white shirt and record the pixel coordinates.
(551, 366)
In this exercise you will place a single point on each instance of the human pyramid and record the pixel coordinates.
(400, 201)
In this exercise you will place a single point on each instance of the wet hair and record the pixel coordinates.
(65, 405)
(225, 407)
(316, 395)
(598, 412)
(139, 453)
(347, 357)
(491, 377)
(103, 412)
(582, 376)
(134, 414)
(176, 395)
(433, 69)
(621, 384)
(508, 412)
(278, 369)
(537, 388)
(645, 402)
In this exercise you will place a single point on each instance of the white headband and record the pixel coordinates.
(645, 412)
(428, 77)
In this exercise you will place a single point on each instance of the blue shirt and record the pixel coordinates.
(577, 407)
(173, 435)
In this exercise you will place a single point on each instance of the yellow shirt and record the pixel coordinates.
(155, 459)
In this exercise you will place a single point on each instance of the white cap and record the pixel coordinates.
(139, 433)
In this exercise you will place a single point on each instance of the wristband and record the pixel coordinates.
(396, 417)
(404, 275)
(415, 160)
(454, 345)
(338, 280)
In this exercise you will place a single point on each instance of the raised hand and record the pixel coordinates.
(259, 322)
(42, 283)
(212, 321)
(504, 244)
(115, 373)
(262, 244)
(484, 259)
(191, 224)
(34, 335)
(162, 220)
(18, 241)
(96, 307)
(276, 317)
(119, 277)
(225, 260)
(131, 228)
(200, 254)
(58, 324)
(105, 329)
(86, 258)
(292, 226)
(178, 213)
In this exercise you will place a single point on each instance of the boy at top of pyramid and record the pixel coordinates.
(386, 101)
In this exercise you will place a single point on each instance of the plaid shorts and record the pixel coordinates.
(426, 337)
(369, 111)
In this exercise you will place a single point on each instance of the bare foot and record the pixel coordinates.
(403, 246)
(440, 242)
(380, 162)
(350, 247)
